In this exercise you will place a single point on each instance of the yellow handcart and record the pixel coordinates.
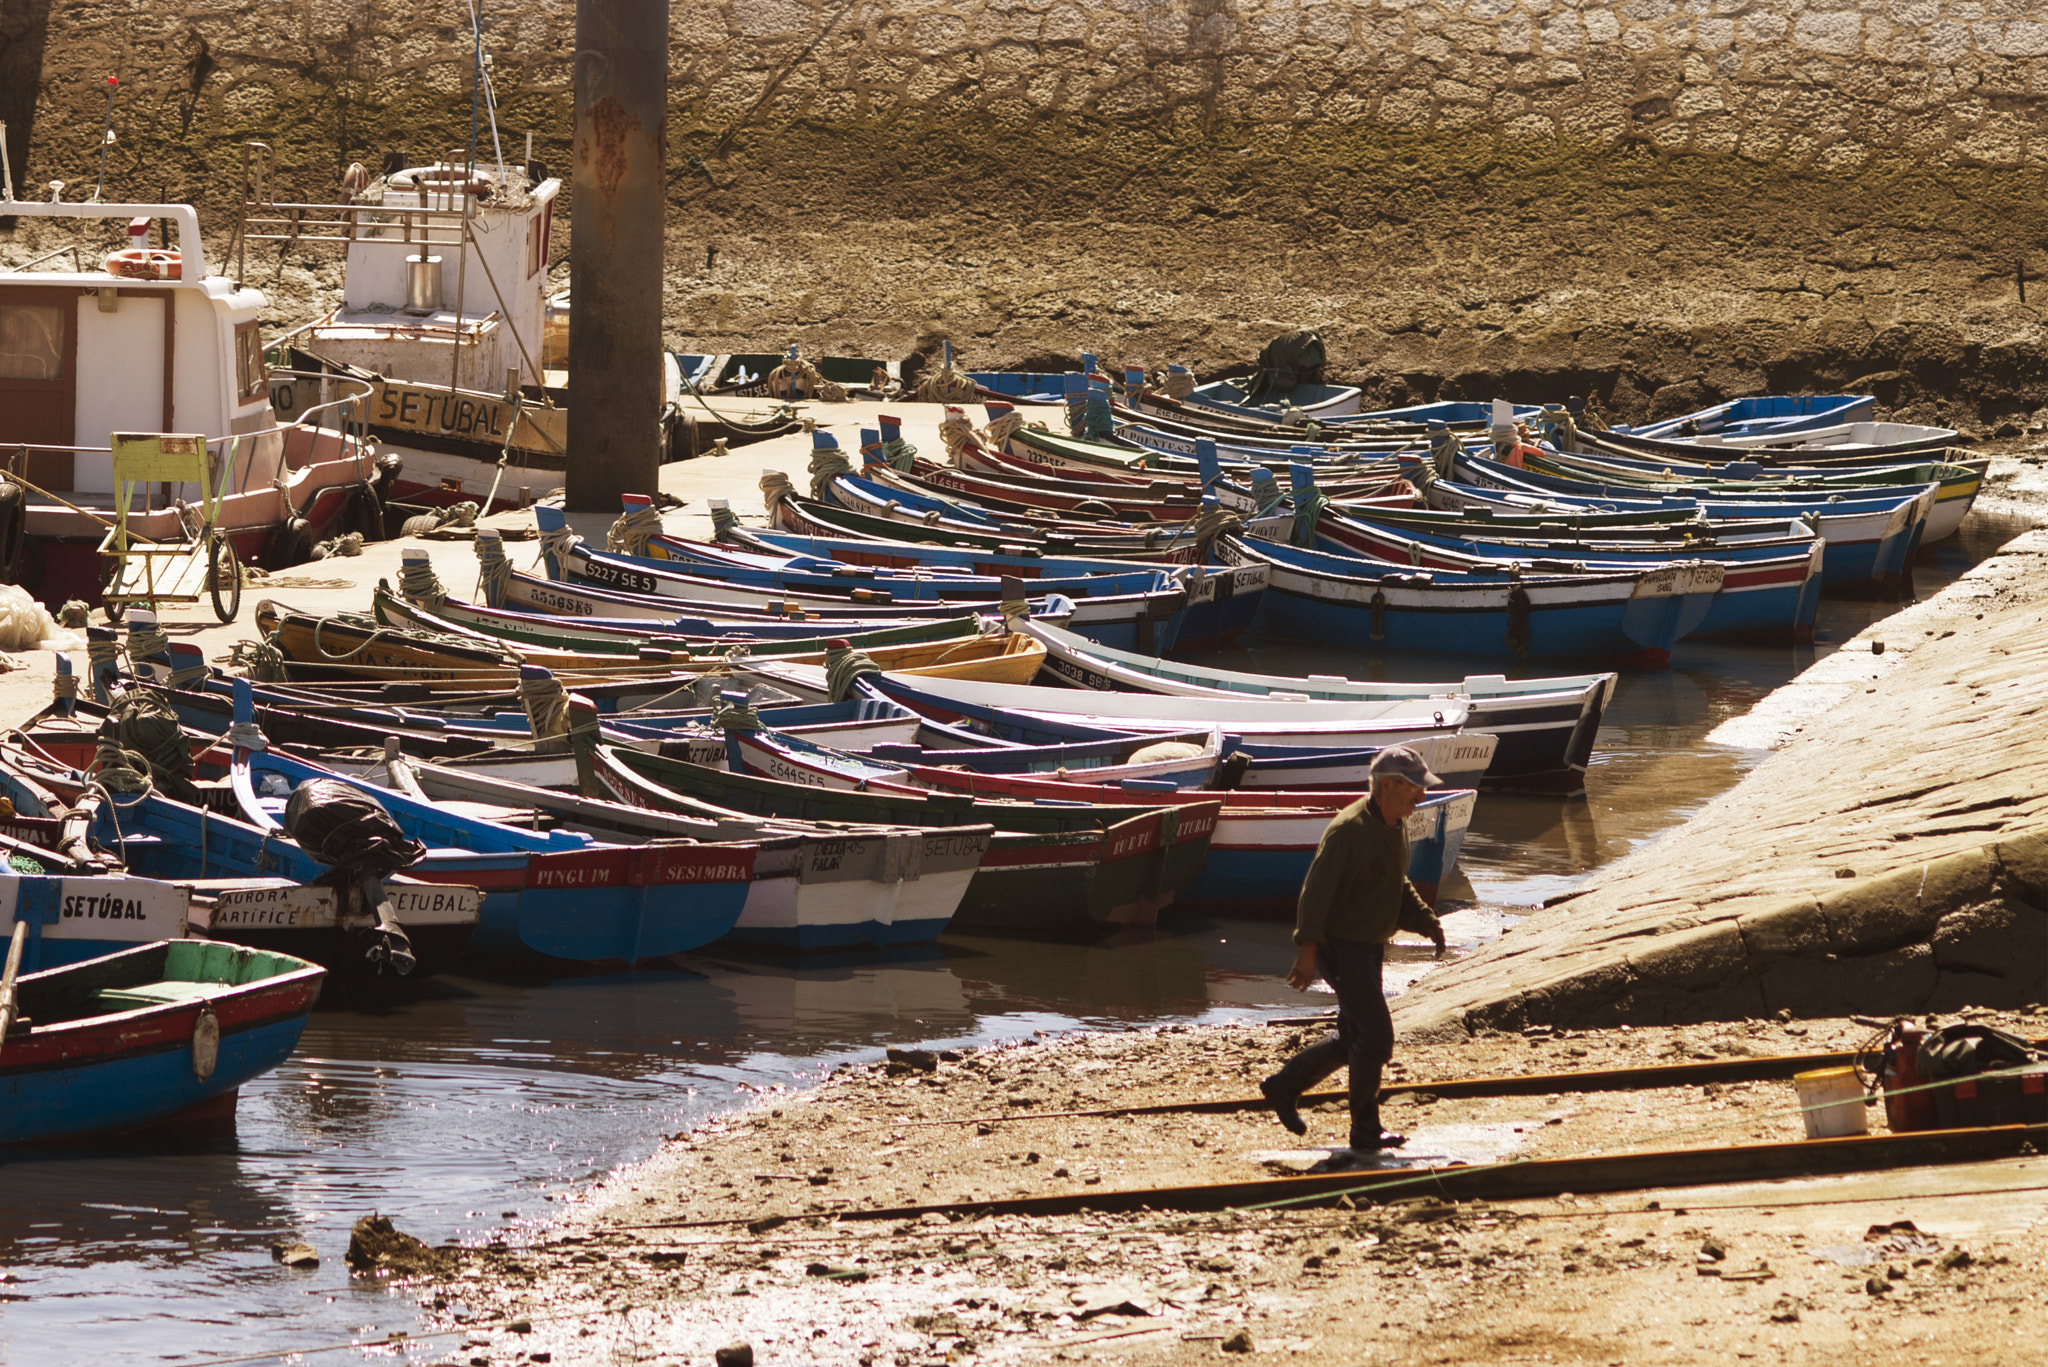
(139, 570)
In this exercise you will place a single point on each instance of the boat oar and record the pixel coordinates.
(7, 1003)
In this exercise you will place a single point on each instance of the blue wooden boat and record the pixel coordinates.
(1221, 603)
(147, 1034)
(1025, 386)
(1762, 415)
(1868, 538)
(558, 893)
(1772, 585)
(1633, 617)
(1141, 610)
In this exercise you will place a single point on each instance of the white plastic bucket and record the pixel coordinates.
(1831, 1099)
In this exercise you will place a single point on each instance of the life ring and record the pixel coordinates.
(140, 263)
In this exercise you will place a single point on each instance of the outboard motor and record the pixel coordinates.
(350, 831)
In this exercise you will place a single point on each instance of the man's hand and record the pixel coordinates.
(1436, 937)
(1303, 974)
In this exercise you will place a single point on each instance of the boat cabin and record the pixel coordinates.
(141, 339)
(446, 276)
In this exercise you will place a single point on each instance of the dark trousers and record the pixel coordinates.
(1365, 1035)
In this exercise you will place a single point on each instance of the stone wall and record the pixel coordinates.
(1469, 197)
(1825, 84)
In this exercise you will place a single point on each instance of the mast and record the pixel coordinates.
(615, 251)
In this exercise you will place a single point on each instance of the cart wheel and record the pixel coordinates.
(223, 577)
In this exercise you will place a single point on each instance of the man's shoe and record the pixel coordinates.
(1387, 1140)
(1284, 1104)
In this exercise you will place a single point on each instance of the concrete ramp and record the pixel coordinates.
(1892, 857)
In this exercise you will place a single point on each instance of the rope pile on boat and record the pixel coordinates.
(794, 374)
(825, 463)
(494, 571)
(723, 520)
(997, 434)
(946, 385)
(955, 431)
(736, 716)
(557, 542)
(844, 664)
(417, 581)
(773, 485)
(632, 531)
(546, 704)
(1175, 384)
(1211, 523)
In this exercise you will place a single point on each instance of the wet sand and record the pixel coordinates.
(744, 1229)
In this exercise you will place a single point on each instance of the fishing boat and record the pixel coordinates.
(1152, 764)
(1771, 586)
(150, 342)
(1868, 538)
(1843, 444)
(1049, 869)
(813, 888)
(557, 893)
(1544, 726)
(229, 881)
(443, 311)
(1762, 415)
(1632, 617)
(145, 1035)
(1141, 610)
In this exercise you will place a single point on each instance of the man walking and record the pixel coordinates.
(1355, 897)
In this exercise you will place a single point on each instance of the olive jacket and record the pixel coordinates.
(1357, 886)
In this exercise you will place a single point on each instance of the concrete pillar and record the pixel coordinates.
(615, 253)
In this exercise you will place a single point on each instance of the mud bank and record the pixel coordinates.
(738, 1232)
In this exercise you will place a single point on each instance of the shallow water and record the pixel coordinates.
(482, 1101)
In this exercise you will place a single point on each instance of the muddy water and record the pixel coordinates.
(485, 1101)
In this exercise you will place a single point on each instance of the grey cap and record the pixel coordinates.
(1402, 762)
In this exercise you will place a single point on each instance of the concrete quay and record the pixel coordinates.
(1890, 857)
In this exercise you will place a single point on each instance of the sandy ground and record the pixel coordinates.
(737, 1232)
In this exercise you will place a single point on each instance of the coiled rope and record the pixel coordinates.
(558, 542)
(632, 531)
(795, 373)
(104, 650)
(74, 615)
(843, 665)
(955, 431)
(146, 643)
(739, 716)
(64, 687)
(118, 770)
(187, 676)
(773, 485)
(827, 462)
(1308, 511)
(946, 385)
(1266, 492)
(1211, 523)
(1443, 451)
(723, 520)
(1093, 416)
(997, 433)
(493, 571)
(546, 704)
(1175, 384)
(417, 581)
(351, 544)
(459, 515)
(263, 661)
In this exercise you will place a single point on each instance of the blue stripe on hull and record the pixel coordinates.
(1554, 634)
(97, 1096)
(1758, 612)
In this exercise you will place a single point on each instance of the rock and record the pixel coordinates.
(912, 1061)
(1240, 1342)
(1878, 1286)
(1712, 1249)
(837, 1272)
(1215, 1264)
(735, 1355)
(1785, 1310)
(374, 1245)
(1955, 1258)
(766, 1223)
(295, 1254)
